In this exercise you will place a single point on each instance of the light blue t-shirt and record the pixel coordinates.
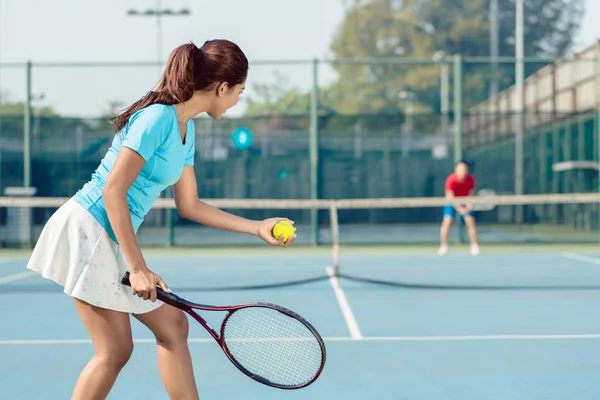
(153, 133)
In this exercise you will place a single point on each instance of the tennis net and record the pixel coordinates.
(547, 219)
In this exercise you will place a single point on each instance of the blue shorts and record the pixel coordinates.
(450, 211)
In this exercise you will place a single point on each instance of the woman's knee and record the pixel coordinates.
(176, 331)
(110, 332)
(117, 355)
(169, 325)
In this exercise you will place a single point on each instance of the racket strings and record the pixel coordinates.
(273, 346)
(271, 357)
(258, 353)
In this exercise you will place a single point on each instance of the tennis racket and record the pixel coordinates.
(485, 193)
(267, 342)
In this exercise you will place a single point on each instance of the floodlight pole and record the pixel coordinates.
(159, 13)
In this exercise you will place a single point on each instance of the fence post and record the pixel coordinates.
(458, 106)
(314, 152)
(597, 126)
(520, 106)
(27, 128)
(458, 122)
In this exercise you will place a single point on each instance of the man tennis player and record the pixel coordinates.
(459, 184)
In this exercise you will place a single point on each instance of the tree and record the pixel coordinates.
(280, 106)
(420, 28)
(277, 99)
(45, 122)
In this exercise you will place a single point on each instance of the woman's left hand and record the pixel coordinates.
(265, 232)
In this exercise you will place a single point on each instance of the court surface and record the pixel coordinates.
(508, 324)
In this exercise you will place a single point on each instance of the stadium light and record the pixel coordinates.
(159, 12)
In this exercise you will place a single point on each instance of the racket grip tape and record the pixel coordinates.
(167, 298)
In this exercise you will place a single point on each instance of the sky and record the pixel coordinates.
(76, 31)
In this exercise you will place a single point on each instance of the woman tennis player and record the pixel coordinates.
(90, 242)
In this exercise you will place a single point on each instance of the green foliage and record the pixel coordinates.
(419, 29)
(45, 121)
(278, 99)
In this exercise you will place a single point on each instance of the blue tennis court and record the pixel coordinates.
(398, 324)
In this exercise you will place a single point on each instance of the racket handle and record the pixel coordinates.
(167, 298)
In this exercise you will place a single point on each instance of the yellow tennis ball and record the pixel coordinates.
(283, 228)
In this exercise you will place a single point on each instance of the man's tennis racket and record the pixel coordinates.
(487, 206)
(267, 342)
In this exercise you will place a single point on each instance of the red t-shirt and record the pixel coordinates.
(460, 189)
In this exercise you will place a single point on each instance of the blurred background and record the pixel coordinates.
(355, 113)
(345, 100)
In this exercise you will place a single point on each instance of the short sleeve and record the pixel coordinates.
(472, 182)
(449, 182)
(146, 130)
(191, 136)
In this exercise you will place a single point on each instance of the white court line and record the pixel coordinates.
(479, 337)
(344, 306)
(15, 277)
(580, 257)
(467, 338)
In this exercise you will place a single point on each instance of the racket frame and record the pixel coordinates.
(189, 307)
(485, 193)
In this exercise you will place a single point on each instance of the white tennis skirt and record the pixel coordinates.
(75, 251)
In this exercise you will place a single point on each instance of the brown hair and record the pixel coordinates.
(190, 69)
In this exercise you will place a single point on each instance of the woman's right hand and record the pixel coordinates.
(144, 282)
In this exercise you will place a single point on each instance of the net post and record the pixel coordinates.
(169, 219)
(335, 242)
(20, 222)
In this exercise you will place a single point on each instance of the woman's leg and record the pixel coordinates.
(110, 332)
(170, 327)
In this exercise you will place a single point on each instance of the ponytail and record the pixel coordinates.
(176, 85)
(191, 69)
